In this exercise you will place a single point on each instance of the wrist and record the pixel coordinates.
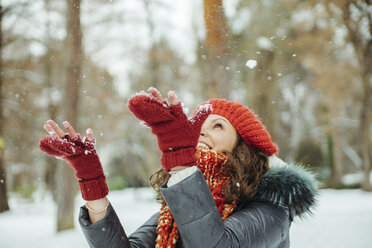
(98, 206)
(181, 157)
(93, 189)
(87, 166)
(181, 175)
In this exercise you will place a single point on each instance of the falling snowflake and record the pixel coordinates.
(251, 63)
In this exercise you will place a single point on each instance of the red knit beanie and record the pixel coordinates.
(246, 123)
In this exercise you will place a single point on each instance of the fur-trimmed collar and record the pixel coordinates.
(292, 186)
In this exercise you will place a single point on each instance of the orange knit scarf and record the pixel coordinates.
(210, 164)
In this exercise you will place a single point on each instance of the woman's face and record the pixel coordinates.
(218, 134)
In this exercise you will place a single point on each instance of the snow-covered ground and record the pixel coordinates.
(343, 219)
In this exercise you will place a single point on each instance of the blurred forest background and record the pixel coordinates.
(305, 67)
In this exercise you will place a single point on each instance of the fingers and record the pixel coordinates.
(50, 130)
(173, 98)
(70, 129)
(156, 94)
(54, 130)
(202, 114)
(57, 130)
(175, 105)
(89, 134)
(171, 94)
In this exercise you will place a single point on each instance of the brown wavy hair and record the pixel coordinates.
(244, 169)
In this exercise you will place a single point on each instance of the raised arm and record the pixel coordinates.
(82, 156)
(97, 207)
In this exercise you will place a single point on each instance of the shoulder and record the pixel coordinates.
(261, 213)
(291, 186)
(262, 222)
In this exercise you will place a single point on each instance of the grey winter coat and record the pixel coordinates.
(263, 221)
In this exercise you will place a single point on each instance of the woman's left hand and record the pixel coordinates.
(171, 94)
(80, 154)
(177, 135)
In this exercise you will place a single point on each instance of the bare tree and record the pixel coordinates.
(331, 70)
(66, 183)
(3, 193)
(217, 76)
(363, 48)
(265, 88)
(51, 168)
(261, 38)
(20, 77)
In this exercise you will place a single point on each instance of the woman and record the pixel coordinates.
(216, 186)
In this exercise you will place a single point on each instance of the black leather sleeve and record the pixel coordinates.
(108, 232)
(259, 224)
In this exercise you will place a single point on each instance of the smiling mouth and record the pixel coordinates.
(203, 146)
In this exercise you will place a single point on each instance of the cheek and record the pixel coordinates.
(231, 146)
(227, 142)
(223, 141)
(232, 140)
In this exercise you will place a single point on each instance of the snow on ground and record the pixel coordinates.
(342, 219)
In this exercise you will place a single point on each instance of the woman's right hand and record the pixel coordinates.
(80, 154)
(54, 130)
(62, 144)
(177, 134)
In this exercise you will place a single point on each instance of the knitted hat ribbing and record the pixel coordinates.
(246, 123)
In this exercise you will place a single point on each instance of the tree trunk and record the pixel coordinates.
(363, 50)
(264, 86)
(66, 188)
(74, 62)
(334, 161)
(339, 162)
(365, 124)
(4, 206)
(51, 162)
(335, 158)
(216, 44)
(366, 116)
(153, 60)
(66, 183)
(337, 167)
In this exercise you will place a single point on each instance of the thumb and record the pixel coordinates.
(177, 110)
(45, 145)
(201, 115)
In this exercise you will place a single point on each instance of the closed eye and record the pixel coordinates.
(218, 125)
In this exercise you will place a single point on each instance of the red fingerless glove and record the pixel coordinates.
(176, 134)
(82, 156)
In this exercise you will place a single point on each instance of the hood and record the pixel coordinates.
(292, 185)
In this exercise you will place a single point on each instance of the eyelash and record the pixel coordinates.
(219, 125)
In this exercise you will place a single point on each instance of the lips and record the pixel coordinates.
(203, 145)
